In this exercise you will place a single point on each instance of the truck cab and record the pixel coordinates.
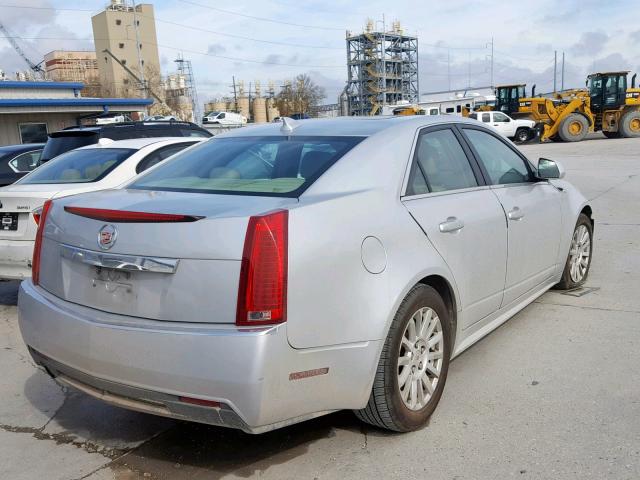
(508, 98)
(519, 130)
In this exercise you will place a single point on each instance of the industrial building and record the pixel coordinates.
(31, 110)
(129, 33)
(255, 106)
(71, 66)
(382, 69)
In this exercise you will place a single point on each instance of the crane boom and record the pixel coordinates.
(35, 68)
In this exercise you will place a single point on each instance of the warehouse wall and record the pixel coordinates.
(10, 133)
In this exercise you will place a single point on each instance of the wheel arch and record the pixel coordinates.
(441, 285)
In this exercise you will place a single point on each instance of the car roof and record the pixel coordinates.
(138, 143)
(23, 147)
(344, 126)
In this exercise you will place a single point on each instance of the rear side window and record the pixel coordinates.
(79, 166)
(439, 164)
(25, 162)
(502, 164)
(274, 166)
(160, 155)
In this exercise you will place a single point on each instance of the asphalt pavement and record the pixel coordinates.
(552, 394)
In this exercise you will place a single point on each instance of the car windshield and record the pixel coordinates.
(79, 166)
(273, 166)
(212, 114)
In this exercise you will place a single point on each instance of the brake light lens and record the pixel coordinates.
(262, 291)
(124, 216)
(37, 213)
(37, 247)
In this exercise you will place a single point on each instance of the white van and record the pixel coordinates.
(225, 118)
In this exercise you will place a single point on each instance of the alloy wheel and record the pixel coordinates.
(580, 253)
(420, 358)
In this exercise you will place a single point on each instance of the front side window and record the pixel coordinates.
(33, 132)
(500, 117)
(79, 166)
(439, 164)
(272, 166)
(502, 164)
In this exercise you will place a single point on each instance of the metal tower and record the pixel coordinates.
(184, 69)
(383, 70)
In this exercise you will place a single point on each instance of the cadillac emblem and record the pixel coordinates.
(107, 237)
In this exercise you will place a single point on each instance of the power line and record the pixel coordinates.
(207, 54)
(262, 19)
(190, 27)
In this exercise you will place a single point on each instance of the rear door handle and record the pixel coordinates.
(451, 225)
(515, 214)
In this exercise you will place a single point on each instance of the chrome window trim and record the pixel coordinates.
(117, 261)
(15, 170)
(409, 198)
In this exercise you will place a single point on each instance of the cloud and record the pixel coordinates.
(590, 43)
(612, 62)
(635, 36)
(216, 49)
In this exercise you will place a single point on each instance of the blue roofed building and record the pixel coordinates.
(29, 110)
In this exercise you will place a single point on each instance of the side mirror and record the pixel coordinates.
(549, 169)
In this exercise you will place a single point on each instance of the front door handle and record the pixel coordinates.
(451, 225)
(515, 214)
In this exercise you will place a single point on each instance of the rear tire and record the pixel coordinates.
(413, 367)
(630, 124)
(574, 128)
(576, 268)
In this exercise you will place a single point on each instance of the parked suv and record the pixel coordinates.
(75, 137)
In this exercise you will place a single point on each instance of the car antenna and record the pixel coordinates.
(288, 125)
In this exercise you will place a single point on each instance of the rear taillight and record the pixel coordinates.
(37, 213)
(262, 292)
(37, 247)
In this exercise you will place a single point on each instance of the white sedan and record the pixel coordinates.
(96, 167)
(278, 273)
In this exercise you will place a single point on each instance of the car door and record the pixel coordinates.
(532, 209)
(503, 124)
(462, 218)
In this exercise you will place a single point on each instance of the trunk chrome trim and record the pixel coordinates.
(131, 263)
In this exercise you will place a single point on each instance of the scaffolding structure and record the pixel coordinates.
(382, 70)
(185, 71)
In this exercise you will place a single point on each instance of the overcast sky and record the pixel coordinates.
(594, 34)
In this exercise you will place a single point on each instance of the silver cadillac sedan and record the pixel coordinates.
(284, 271)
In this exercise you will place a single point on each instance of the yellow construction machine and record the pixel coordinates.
(606, 105)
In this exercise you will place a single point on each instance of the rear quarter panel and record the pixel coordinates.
(332, 298)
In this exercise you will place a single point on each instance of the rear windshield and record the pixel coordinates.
(57, 145)
(273, 166)
(79, 166)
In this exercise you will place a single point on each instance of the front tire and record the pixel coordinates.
(576, 269)
(523, 135)
(574, 128)
(413, 365)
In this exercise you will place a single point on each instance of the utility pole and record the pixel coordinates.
(562, 76)
(449, 67)
(235, 95)
(555, 70)
(469, 69)
(140, 65)
(492, 61)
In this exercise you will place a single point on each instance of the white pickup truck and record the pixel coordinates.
(520, 130)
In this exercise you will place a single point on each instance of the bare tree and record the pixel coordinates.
(299, 95)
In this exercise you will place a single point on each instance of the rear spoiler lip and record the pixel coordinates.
(128, 216)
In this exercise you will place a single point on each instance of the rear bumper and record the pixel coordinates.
(15, 259)
(149, 365)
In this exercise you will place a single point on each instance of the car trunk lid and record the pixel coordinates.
(169, 271)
